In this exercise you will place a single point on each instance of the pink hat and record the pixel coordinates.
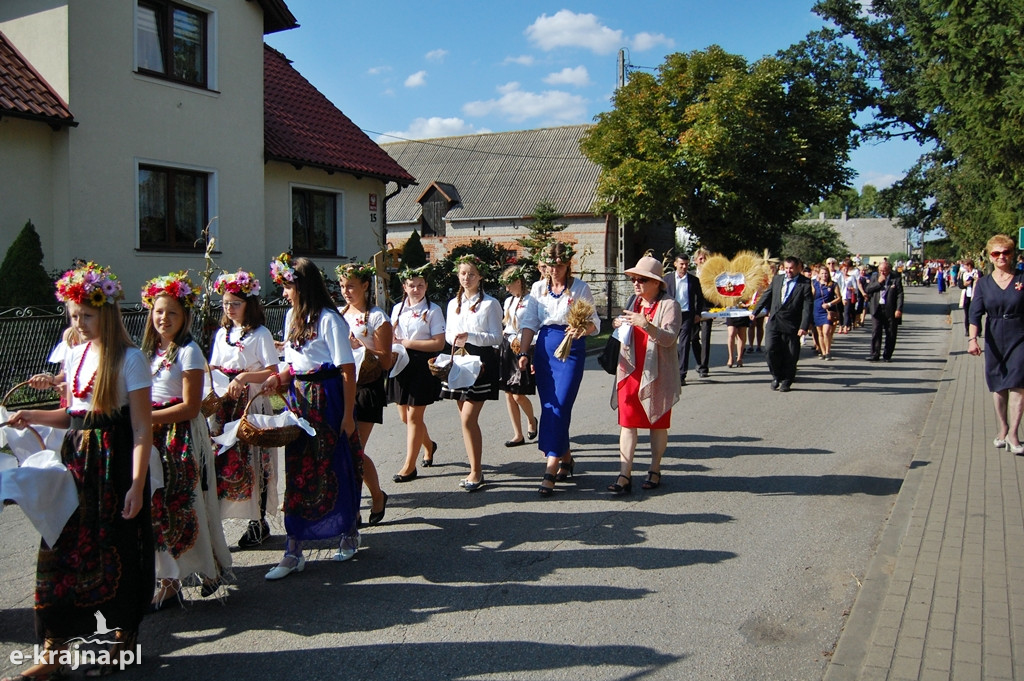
(650, 268)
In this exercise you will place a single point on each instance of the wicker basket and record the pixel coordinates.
(442, 371)
(211, 403)
(265, 437)
(3, 403)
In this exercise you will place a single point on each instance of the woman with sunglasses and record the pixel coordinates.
(647, 382)
(1000, 298)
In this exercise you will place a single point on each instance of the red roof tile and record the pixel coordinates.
(303, 127)
(26, 94)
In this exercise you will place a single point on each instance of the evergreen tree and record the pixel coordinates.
(545, 216)
(413, 254)
(25, 281)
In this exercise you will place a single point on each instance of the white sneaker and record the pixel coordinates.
(282, 571)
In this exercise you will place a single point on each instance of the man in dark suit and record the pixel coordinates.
(788, 301)
(685, 288)
(885, 305)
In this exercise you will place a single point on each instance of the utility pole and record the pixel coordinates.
(620, 258)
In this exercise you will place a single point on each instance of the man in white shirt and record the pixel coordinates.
(685, 288)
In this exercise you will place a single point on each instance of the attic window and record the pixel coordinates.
(171, 42)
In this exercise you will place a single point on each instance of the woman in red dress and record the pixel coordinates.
(648, 374)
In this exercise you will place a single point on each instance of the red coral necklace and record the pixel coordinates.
(84, 392)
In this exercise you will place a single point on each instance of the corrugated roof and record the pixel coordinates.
(503, 174)
(303, 127)
(875, 236)
(26, 94)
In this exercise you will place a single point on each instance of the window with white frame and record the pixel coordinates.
(315, 222)
(171, 41)
(174, 208)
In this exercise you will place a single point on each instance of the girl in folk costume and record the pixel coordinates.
(47, 381)
(474, 324)
(369, 328)
(419, 327)
(243, 349)
(558, 380)
(103, 560)
(323, 473)
(517, 384)
(186, 514)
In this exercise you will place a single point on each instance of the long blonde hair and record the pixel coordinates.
(112, 344)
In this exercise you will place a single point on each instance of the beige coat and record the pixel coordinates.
(659, 384)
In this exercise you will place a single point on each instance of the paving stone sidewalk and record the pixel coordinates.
(944, 596)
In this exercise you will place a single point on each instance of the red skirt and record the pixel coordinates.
(631, 412)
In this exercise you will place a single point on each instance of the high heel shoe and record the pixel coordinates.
(620, 490)
(563, 466)
(427, 463)
(651, 482)
(547, 491)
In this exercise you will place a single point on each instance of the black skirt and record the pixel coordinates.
(486, 385)
(510, 378)
(415, 386)
(370, 401)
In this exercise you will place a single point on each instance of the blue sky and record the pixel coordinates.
(418, 70)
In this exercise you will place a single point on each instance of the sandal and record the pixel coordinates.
(545, 491)
(563, 466)
(620, 490)
(650, 482)
(123, 649)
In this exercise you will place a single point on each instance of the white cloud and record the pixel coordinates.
(518, 105)
(567, 76)
(522, 60)
(645, 41)
(436, 55)
(427, 128)
(568, 29)
(417, 79)
(878, 179)
(377, 70)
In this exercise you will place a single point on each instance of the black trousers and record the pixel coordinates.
(883, 334)
(701, 339)
(783, 351)
(686, 332)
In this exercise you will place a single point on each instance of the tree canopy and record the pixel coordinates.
(732, 151)
(24, 280)
(814, 242)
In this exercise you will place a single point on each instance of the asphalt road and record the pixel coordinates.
(741, 566)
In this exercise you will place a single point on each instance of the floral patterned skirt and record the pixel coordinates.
(323, 474)
(101, 562)
(186, 514)
(244, 471)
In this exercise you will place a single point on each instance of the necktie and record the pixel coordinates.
(787, 290)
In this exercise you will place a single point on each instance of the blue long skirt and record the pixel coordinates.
(558, 383)
(323, 475)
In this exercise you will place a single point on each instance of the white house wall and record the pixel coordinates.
(26, 181)
(358, 233)
(39, 29)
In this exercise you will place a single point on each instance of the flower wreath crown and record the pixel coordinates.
(411, 273)
(549, 257)
(470, 259)
(91, 284)
(519, 273)
(175, 284)
(240, 283)
(360, 271)
(281, 270)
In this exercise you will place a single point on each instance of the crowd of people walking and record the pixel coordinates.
(157, 468)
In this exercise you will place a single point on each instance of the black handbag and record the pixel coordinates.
(609, 357)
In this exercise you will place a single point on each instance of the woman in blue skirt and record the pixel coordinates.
(558, 381)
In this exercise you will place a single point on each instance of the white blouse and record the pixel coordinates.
(253, 352)
(421, 321)
(135, 374)
(362, 327)
(483, 326)
(168, 383)
(547, 310)
(331, 345)
(514, 325)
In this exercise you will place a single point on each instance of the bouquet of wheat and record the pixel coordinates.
(580, 312)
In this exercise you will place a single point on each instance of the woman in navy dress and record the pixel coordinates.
(1000, 297)
(826, 299)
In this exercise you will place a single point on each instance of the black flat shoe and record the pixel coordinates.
(377, 516)
(427, 463)
(405, 478)
(514, 443)
(565, 470)
(621, 490)
(530, 434)
(547, 491)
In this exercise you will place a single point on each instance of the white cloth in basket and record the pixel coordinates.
(44, 489)
(286, 418)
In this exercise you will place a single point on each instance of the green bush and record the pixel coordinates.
(23, 279)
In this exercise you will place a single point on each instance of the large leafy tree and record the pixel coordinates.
(733, 151)
(814, 242)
